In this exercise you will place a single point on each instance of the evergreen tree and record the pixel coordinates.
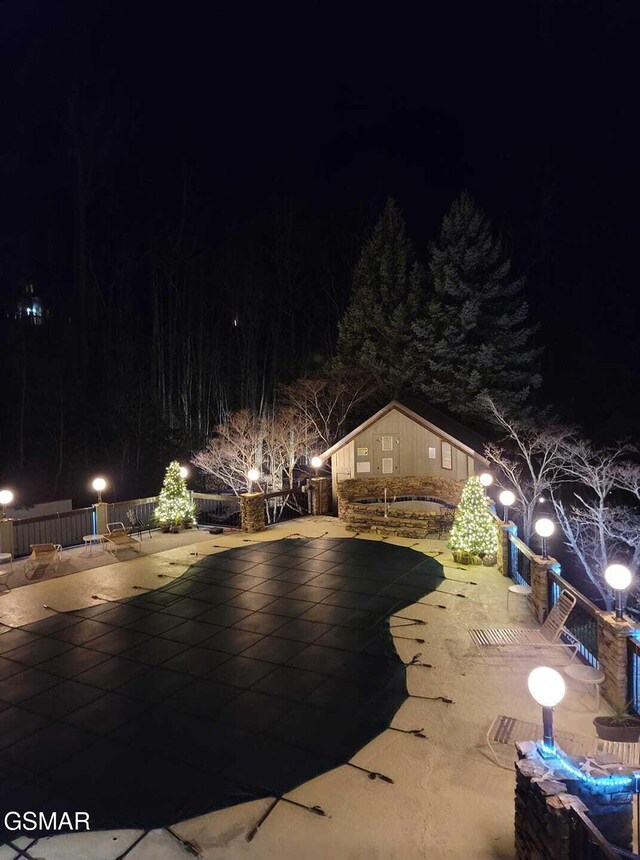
(474, 529)
(475, 339)
(174, 507)
(386, 294)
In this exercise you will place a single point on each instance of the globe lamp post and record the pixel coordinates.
(99, 484)
(6, 497)
(253, 475)
(548, 688)
(506, 500)
(544, 528)
(486, 479)
(316, 462)
(184, 472)
(618, 577)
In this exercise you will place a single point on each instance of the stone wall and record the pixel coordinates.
(612, 656)
(412, 524)
(320, 496)
(252, 516)
(504, 529)
(548, 795)
(540, 568)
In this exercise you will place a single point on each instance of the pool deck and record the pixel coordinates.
(447, 800)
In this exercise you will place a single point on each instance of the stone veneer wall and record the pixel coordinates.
(414, 524)
(546, 795)
(320, 496)
(613, 657)
(252, 516)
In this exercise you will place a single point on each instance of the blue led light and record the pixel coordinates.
(613, 781)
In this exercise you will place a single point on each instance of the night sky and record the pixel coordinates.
(531, 106)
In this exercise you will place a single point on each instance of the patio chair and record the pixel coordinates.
(44, 556)
(508, 731)
(137, 523)
(547, 636)
(118, 537)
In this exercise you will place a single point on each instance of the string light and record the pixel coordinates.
(612, 780)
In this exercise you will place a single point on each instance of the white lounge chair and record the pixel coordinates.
(118, 537)
(546, 636)
(508, 731)
(44, 556)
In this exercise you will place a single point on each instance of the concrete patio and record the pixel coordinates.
(447, 800)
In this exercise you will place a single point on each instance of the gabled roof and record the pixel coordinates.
(430, 418)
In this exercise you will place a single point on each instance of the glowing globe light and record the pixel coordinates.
(486, 479)
(546, 686)
(253, 474)
(6, 497)
(544, 527)
(507, 498)
(184, 472)
(99, 484)
(618, 576)
(316, 462)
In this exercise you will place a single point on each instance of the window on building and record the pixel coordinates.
(387, 465)
(447, 456)
(432, 453)
(387, 443)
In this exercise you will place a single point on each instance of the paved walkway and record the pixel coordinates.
(447, 799)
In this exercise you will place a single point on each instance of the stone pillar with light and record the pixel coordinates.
(101, 509)
(613, 631)
(547, 687)
(252, 513)
(6, 525)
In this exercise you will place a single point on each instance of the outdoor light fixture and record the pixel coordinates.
(184, 472)
(99, 484)
(486, 479)
(252, 476)
(619, 578)
(316, 462)
(506, 500)
(545, 528)
(6, 497)
(548, 688)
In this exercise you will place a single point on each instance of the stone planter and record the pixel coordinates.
(626, 734)
(464, 557)
(175, 530)
(490, 560)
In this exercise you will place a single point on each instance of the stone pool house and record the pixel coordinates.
(404, 452)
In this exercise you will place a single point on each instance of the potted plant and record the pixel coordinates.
(620, 726)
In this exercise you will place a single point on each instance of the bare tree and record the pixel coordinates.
(326, 402)
(598, 530)
(530, 459)
(274, 444)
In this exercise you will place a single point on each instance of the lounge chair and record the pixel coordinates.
(547, 636)
(44, 556)
(118, 537)
(507, 731)
(138, 525)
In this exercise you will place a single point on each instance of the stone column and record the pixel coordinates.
(540, 585)
(252, 518)
(504, 529)
(6, 536)
(546, 795)
(101, 514)
(612, 656)
(320, 496)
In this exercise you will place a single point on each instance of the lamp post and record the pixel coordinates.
(486, 479)
(184, 472)
(316, 462)
(619, 578)
(544, 528)
(506, 500)
(99, 484)
(252, 476)
(6, 497)
(548, 688)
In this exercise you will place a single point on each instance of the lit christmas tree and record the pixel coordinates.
(474, 531)
(174, 507)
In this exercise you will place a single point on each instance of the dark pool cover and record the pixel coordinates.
(258, 669)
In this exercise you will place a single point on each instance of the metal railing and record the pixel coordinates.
(67, 529)
(587, 843)
(519, 560)
(286, 505)
(144, 508)
(217, 509)
(583, 621)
